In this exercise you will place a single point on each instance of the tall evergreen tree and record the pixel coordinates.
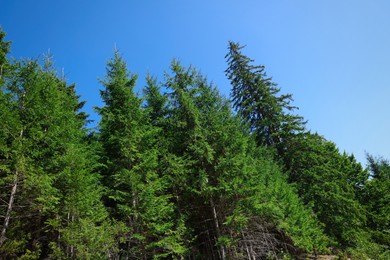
(257, 100)
(239, 198)
(4, 50)
(327, 181)
(137, 191)
(57, 193)
(155, 101)
(376, 198)
(9, 129)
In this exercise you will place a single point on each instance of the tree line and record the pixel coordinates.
(179, 172)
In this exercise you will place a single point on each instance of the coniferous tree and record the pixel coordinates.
(155, 101)
(57, 193)
(184, 177)
(190, 138)
(9, 129)
(137, 190)
(239, 198)
(257, 100)
(376, 198)
(4, 50)
(327, 181)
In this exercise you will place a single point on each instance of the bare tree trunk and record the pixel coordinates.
(10, 203)
(1, 71)
(215, 216)
(9, 208)
(72, 247)
(67, 246)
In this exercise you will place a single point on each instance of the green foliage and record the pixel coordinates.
(376, 198)
(232, 184)
(155, 101)
(52, 166)
(176, 173)
(330, 183)
(138, 192)
(326, 180)
(256, 98)
(5, 47)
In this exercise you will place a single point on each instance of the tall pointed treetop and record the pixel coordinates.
(256, 98)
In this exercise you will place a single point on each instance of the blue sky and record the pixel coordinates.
(333, 55)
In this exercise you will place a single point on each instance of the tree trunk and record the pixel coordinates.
(9, 208)
(10, 203)
(215, 217)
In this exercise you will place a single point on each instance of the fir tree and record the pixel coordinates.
(155, 101)
(376, 198)
(137, 190)
(256, 98)
(239, 197)
(329, 182)
(5, 47)
(57, 191)
(9, 138)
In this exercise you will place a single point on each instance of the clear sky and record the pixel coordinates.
(333, 56)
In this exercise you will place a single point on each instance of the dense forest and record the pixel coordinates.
(177, 172)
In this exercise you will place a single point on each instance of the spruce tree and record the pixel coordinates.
(57, 192)
(155, 101)
(256, 98)
(325, 181)
(234, 193)
(4, 50)
(137, 195)
(9, 138)
(376, 198)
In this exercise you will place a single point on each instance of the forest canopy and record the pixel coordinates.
(177, 172)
